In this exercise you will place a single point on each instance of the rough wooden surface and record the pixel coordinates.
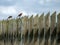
(41, 29)
(46, 29)
(2, 42)
(36, 29)
(52, 29)
(31, 30)
(10, 26)
(1, 27)
(4, 26)
(25, 29)
(58, 29)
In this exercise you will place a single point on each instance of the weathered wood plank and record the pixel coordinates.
(53, 28)
(19, 31)
(1, 28)
(58, 29)
(41, 29)
(25, 29)
(14, 27)
(47, 28)
(10, 26)
(4, 26)
(31, 30)
(35, 32)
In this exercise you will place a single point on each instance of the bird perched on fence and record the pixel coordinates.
(20, 14)
(10, 17)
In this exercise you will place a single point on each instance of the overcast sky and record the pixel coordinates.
(27, 7)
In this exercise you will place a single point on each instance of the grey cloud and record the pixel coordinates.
(7, 2)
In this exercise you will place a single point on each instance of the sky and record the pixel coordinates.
(27, 7)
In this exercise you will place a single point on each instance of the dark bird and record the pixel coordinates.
(20, 14)
(10, 17)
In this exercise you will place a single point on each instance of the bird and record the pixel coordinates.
(20, 14)
(10, 17)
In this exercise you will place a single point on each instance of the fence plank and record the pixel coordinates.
(14, 26)
(35, 32)
(10, 26)
(31, 30)
(4, 26)
(15, 32)
(41, 29)
(1, 27)
(47, 29)
(25, 29)
(58, 29)
(10, 32)
(53, 28)
(19, 31)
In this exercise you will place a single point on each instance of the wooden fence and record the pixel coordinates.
(38, 30)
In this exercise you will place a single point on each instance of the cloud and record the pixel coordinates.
(8, 10)
(29, 0)
(7, 2)
(57, 1)
(47, 2)
(42, 2)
